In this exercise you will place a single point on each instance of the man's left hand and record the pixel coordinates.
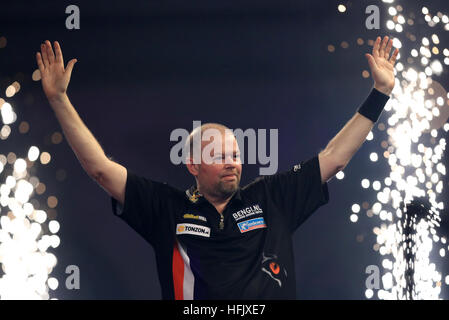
(382, 65)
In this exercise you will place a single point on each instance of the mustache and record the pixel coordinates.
(234, 173)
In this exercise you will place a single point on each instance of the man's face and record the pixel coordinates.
(220, 170)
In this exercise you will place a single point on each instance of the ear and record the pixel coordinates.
(193, 168)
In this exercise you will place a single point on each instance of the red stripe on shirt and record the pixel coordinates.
(178, 273)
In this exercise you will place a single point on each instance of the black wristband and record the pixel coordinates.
(373, 105)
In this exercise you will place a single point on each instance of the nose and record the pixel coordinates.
(230, 166)
(232, 161)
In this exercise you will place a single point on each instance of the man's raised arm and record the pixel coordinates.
(55, 80)
(345, 144)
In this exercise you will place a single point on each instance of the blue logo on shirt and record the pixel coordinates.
(252, 224)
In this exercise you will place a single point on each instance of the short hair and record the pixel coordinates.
(198, 131)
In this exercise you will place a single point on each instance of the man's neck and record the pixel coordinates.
(218, 202)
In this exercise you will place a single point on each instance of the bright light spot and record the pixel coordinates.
(397, 43)
(10, 182)
(10, 91)
(355, 208)
(392, 11)
(5, 132)
(54, 241)
(433, 133)
(369, 293)
(387, 280)
(435, 39)
(436, 67)
(23, 191)
(365, 183)
(411, 75)
(53, 226)
(33, 153)
(52, 283)
(40, 216)
(20, 165)
(340, 175)
(8, 115)
(377, 207)
(399, 28)
(341, 8)
(45, 157)
(376, 185)
(390, 25)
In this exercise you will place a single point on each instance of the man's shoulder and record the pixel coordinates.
(279, 178)
(154, 185)
(256, 186)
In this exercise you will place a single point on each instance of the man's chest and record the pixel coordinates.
(204, 223)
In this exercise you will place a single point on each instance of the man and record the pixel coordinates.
(217, 240)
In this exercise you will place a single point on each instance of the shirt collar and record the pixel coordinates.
(237, 195)
(196, 197)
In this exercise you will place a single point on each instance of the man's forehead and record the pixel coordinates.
(219, 138)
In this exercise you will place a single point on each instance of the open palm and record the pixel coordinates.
(54, 77)
(382, 65)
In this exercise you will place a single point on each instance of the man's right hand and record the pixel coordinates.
(54, 77)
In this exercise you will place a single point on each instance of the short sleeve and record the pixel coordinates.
(145, 207)
(299, 191)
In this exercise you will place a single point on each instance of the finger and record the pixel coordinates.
(394, 56)
(40, 63)
(382, 47)
(69, 67)
(371, 61)
(376, 47)
(44, 55)
(50, 53)
(58, 52)
(388, 49)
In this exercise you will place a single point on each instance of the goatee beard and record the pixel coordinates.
(227, 189)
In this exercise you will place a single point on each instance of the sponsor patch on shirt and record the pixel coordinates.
(247, 212)
(188, 228)
(192, 216)
(251, 224)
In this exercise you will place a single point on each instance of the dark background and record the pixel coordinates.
(146, 68)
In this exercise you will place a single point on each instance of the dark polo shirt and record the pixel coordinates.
(249, 257)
